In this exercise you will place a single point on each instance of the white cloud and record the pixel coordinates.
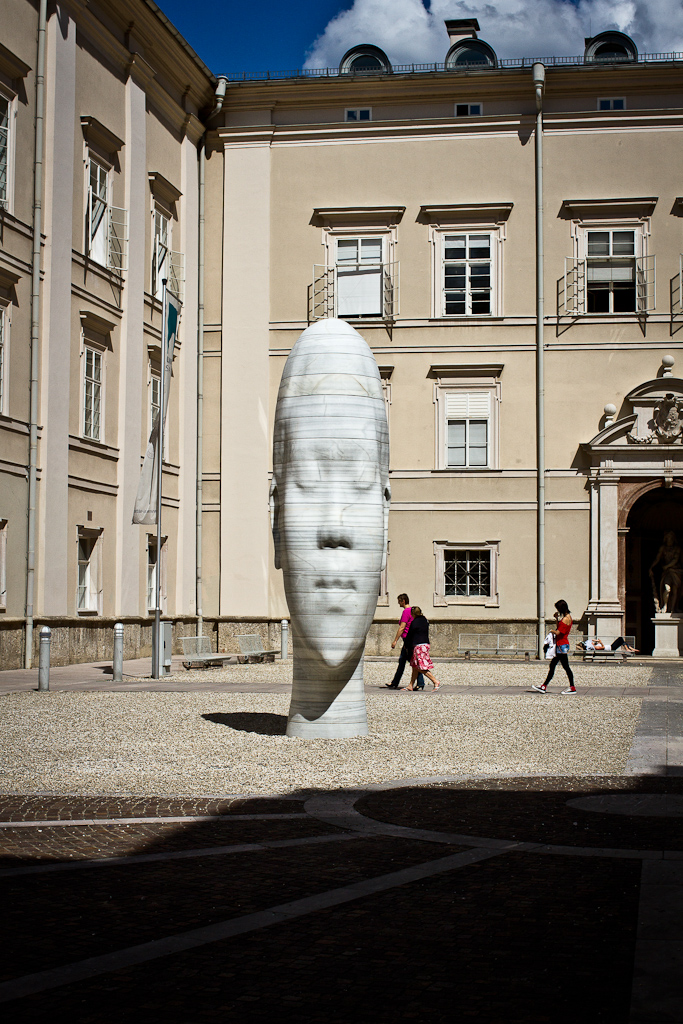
(409, 33)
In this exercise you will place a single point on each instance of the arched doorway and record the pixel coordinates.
(651, 516)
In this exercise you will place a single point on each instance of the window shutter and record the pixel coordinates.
(468, 405)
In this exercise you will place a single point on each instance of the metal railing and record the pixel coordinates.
(438, 67)
(323, 292)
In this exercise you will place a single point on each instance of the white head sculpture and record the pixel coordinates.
(329, 504)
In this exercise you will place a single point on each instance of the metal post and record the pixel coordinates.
(44, 659)
(157, 667)
(117, 664)
(284, 633)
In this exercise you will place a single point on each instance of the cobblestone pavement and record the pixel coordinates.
(502, 900)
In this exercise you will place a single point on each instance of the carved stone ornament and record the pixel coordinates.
(666, 425)
(329, 503)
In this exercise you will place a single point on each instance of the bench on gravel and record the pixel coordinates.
(498, 643)
(251, 646)
(197, 653)
(608, 653)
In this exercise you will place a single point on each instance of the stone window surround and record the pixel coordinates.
(95, 335)
(484, 218)
(480, 377)
(441, 600)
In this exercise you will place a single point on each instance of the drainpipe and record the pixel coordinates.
(538, 72)
(35, 330)
(221, 88)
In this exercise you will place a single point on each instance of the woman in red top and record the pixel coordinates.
(564, 624)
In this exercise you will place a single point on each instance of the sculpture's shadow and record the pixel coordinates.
(250, 721)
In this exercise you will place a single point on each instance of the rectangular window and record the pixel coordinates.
(5, 114)
(162, 248)
(467, 436)
(97, 226)
(358, 114)
(92, 394)
(610, 271)
(467, 573)
(155, 407)
(466, 274)
(612, 104)
(468, 109)
(358, 266)
(89, 584)
(155, 565)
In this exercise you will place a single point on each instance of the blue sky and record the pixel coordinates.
(281, 36)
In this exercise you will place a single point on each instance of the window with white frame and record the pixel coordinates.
(89, 591)
(358, 114)
(167, 264)
(468, 109)
(155, 565)
(358, 265)
(6, 112)
(612, 103)
(97, 212)
(466, 573)
(466, 273)
(467, 410)
(155, 404)
(3, 565)
(93, 397)
(611, 271)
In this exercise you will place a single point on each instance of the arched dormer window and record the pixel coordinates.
(364, 60)
(610, 47)
(467, 52)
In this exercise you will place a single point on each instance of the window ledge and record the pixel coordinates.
(470, 470)
(465, 319)
(87, 611)
(92, 447)
(441, 601)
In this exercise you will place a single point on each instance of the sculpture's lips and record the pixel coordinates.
(330, 583)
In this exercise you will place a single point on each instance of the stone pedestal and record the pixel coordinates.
(666, 635)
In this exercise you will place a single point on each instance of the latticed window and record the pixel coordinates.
(467, 573)
(359, 276)
(4, 150)
(467, 418)
(92, 394)
(466, 274)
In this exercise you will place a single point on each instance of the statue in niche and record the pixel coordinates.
(666, 425)
(671, 573)
(329, 502)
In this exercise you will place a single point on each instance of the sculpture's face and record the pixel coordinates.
(330, 500)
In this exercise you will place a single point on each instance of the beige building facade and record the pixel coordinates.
(401, 199)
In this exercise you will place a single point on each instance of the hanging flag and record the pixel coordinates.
(145, 511)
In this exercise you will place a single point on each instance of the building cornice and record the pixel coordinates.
(386, 216)
(11, 65)
(449, 214)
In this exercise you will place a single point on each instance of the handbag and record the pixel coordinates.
(549, 646)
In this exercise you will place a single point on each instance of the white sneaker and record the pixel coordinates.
(571, 689)
(540, 689)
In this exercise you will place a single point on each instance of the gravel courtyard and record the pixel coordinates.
(222, 743)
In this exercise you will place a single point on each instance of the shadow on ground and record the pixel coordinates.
(265, 723)
(520, 938)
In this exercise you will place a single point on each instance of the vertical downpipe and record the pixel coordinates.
(200, 385)
(538, 72)
(35, 332)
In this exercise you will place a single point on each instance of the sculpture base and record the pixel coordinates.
(666, 635)
(327, 709)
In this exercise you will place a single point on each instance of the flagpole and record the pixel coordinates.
(157, 647)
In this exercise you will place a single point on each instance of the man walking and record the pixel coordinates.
(402, 633)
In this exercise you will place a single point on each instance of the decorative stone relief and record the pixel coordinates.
(329, 503)
(666, 425)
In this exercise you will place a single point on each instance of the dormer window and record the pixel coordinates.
(610, 47)
(468, 52)
(364, 60)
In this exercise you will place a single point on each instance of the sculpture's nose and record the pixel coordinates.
(333, 531)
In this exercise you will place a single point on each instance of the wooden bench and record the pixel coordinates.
(498, 643)
(251, 646)
(197, 652)
(608, 653)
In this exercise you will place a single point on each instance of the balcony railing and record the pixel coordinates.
(439, 67)
(581, 274)
(354, 291)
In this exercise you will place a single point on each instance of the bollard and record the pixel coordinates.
(44, 659)
(117, 664)
(284, 631)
